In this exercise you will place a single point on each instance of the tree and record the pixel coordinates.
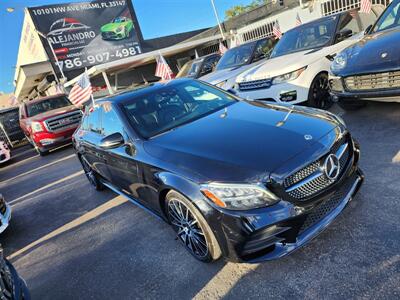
(239, 9)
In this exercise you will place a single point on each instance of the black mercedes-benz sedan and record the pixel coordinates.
(247, 180)
(370, 69)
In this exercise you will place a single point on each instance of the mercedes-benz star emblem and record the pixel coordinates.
(384, 54)
(332, 166)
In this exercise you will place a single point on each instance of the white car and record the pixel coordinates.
(5, 214)
(5, 153)
(237, 60)
(298, 68)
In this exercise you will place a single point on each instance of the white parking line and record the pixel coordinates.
(37, 169)
(12, 165)
(16, 201)
(73, 224)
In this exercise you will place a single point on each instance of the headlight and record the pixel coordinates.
(288, 76)
(339, 62)
(238, 196)
(221, 84)
(36, 127)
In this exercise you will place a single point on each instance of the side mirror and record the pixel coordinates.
(344, 34)
(206, 69)
(232, 91)
(368, 29)
(112, 141)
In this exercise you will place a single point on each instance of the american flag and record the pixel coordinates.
(365, 6)
(276, 30)
(298, 20)
(81, 91)
(222, 48)
(163, 70)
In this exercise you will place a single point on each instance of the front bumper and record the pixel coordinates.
(48, 141)
(292, 92)
(273, 232)
(339, 92)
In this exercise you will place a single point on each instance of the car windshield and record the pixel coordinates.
(119, 20)
(307, 36)
(390, 18)
(36, 108)
(173, 106)
(190, 69)
(237, 56)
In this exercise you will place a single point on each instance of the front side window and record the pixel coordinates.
(390, 18)
(308, 36)
(35, 108)
(110, 120)
(173, 106)
(93, 122)
(237, 56)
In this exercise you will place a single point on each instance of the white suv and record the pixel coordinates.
(298, 68)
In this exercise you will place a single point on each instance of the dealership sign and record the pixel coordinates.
(88, 33)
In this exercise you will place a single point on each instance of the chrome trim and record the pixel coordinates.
(342, 150)
(305, 181)
(339, 153)
(61, 117)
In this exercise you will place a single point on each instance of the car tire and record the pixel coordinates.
(318, 95)
(91, 175)
(350, 104)
(197, 238)
(40, 151)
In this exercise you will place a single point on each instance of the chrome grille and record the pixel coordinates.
(63, 122)
(377, 81)
(255, 85)
(311, 179)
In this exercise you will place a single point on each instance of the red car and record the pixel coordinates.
(49, 122)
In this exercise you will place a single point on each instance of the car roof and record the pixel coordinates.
(142, 90)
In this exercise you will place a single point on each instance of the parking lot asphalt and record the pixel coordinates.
(70, 242)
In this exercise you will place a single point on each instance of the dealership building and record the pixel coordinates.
(58, 42)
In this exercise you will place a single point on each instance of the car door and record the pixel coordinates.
(121, 163)
(90, 139)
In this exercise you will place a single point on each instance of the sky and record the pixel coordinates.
(156, 18)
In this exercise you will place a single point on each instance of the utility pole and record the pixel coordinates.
(218, 21)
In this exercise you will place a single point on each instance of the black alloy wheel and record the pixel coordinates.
(191, 228)
(91, 175)
(319, 96)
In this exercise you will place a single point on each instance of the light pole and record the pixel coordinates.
(218, 21)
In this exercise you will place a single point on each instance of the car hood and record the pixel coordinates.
(53, 113)
(245, 143)
(225, 74)
(366, 56)
(293, 61)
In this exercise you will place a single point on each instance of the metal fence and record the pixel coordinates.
(256, 31)
(330, 7)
